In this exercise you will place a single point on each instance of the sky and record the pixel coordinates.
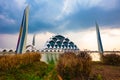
(74, 19)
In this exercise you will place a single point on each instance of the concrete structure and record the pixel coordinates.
(99, 41)
(21, 45)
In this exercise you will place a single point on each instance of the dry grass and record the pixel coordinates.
(111, 59)
(74, 67)
(107, 72)
(8, 62)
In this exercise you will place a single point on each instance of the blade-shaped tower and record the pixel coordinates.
(100, 47)
(33, 42)
(22, 39)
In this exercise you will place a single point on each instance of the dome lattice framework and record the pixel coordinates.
(59, 43)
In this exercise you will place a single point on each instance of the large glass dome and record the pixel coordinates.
(60, 43)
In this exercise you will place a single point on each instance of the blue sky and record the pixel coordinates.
(58, 15)
(67, 17)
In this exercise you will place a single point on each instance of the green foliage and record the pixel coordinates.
(23, 76)
(111, 59)
(27, 67)
(52, 75)
(33, 71)
(97, 77)
(71, 66)
(30, 77)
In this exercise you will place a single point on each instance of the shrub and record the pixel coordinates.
(74, 67)
(111, 59)
(86, 60)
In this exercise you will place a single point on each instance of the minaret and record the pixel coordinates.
(21, 45)
(100, 47)
(33, 42)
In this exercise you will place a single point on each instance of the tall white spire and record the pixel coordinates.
(33, 42)
(100, 47)
(21, 45)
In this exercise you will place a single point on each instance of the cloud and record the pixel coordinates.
(67, 8)
(63, 26)
(108, 5)
(84, 39)
(104, 4)
(58, 15)
(10, 15)
(9, 41)
(40, 39)
(6, 19)
(68, 17)
(5, 5)
(71, 6)
(45, 10)
(21, 3)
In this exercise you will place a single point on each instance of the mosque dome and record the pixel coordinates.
(60, 42)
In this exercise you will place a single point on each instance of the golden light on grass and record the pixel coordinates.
(14, 61)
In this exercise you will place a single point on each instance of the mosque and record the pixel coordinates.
(57, 43)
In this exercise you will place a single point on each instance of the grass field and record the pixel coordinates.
(105, 72)
(34, 69)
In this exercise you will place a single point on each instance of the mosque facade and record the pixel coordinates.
(59, 43)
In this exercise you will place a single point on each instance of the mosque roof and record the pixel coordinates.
(60, 41)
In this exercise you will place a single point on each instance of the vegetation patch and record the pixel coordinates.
(111, 59)
(74, 67)
(69, 66)
(9, 62)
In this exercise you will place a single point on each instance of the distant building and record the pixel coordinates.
(59, 43)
